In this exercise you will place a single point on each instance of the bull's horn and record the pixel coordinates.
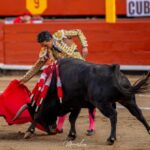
(20, 111)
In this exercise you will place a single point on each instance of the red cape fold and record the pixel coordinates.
(13, 97)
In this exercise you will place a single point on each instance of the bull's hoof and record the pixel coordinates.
(52, 130)
(111, 141)
(71, 137)
(52, 133)
(28, 135)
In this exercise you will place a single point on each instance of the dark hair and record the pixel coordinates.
(44, 36)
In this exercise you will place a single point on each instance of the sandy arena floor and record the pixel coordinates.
(131, 134)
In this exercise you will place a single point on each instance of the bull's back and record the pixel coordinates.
(78, 75)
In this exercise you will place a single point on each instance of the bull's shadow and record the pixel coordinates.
(89, 85)
(11, 136)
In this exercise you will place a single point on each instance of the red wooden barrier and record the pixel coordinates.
(62, 7)
(126, 42)
(1, 43)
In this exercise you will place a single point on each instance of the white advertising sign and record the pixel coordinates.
(138, 8)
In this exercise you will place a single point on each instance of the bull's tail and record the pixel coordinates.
(140, 86)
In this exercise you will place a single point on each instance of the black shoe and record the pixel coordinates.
(59, 130)
(90, 132)
(52, 130)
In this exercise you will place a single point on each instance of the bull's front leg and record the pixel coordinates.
(72, 119)
(51, 130)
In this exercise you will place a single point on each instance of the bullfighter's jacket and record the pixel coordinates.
(59, 50)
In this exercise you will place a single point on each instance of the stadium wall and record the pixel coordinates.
(125, 42)
(62, 7)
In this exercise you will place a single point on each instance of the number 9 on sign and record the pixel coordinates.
(36, 6)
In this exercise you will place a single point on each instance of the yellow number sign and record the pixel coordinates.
(36, 7)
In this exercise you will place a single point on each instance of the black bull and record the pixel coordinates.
(89, 85)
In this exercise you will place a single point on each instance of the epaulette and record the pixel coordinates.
(59, 35)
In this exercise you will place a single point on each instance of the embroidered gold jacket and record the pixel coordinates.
(60, 50)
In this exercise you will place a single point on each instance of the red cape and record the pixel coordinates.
(13, 97)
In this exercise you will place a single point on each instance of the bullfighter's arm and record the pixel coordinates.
(36, 67)
(60, 34)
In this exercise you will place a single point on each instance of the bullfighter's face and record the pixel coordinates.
(47, 44)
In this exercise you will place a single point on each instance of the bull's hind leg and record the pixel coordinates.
(72, 119)
(135, 111)
(109, 111)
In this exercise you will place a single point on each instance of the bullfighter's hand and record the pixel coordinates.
(21, 82)
(84, 52)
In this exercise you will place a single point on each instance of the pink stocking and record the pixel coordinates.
(91, 120)
(60, 122)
